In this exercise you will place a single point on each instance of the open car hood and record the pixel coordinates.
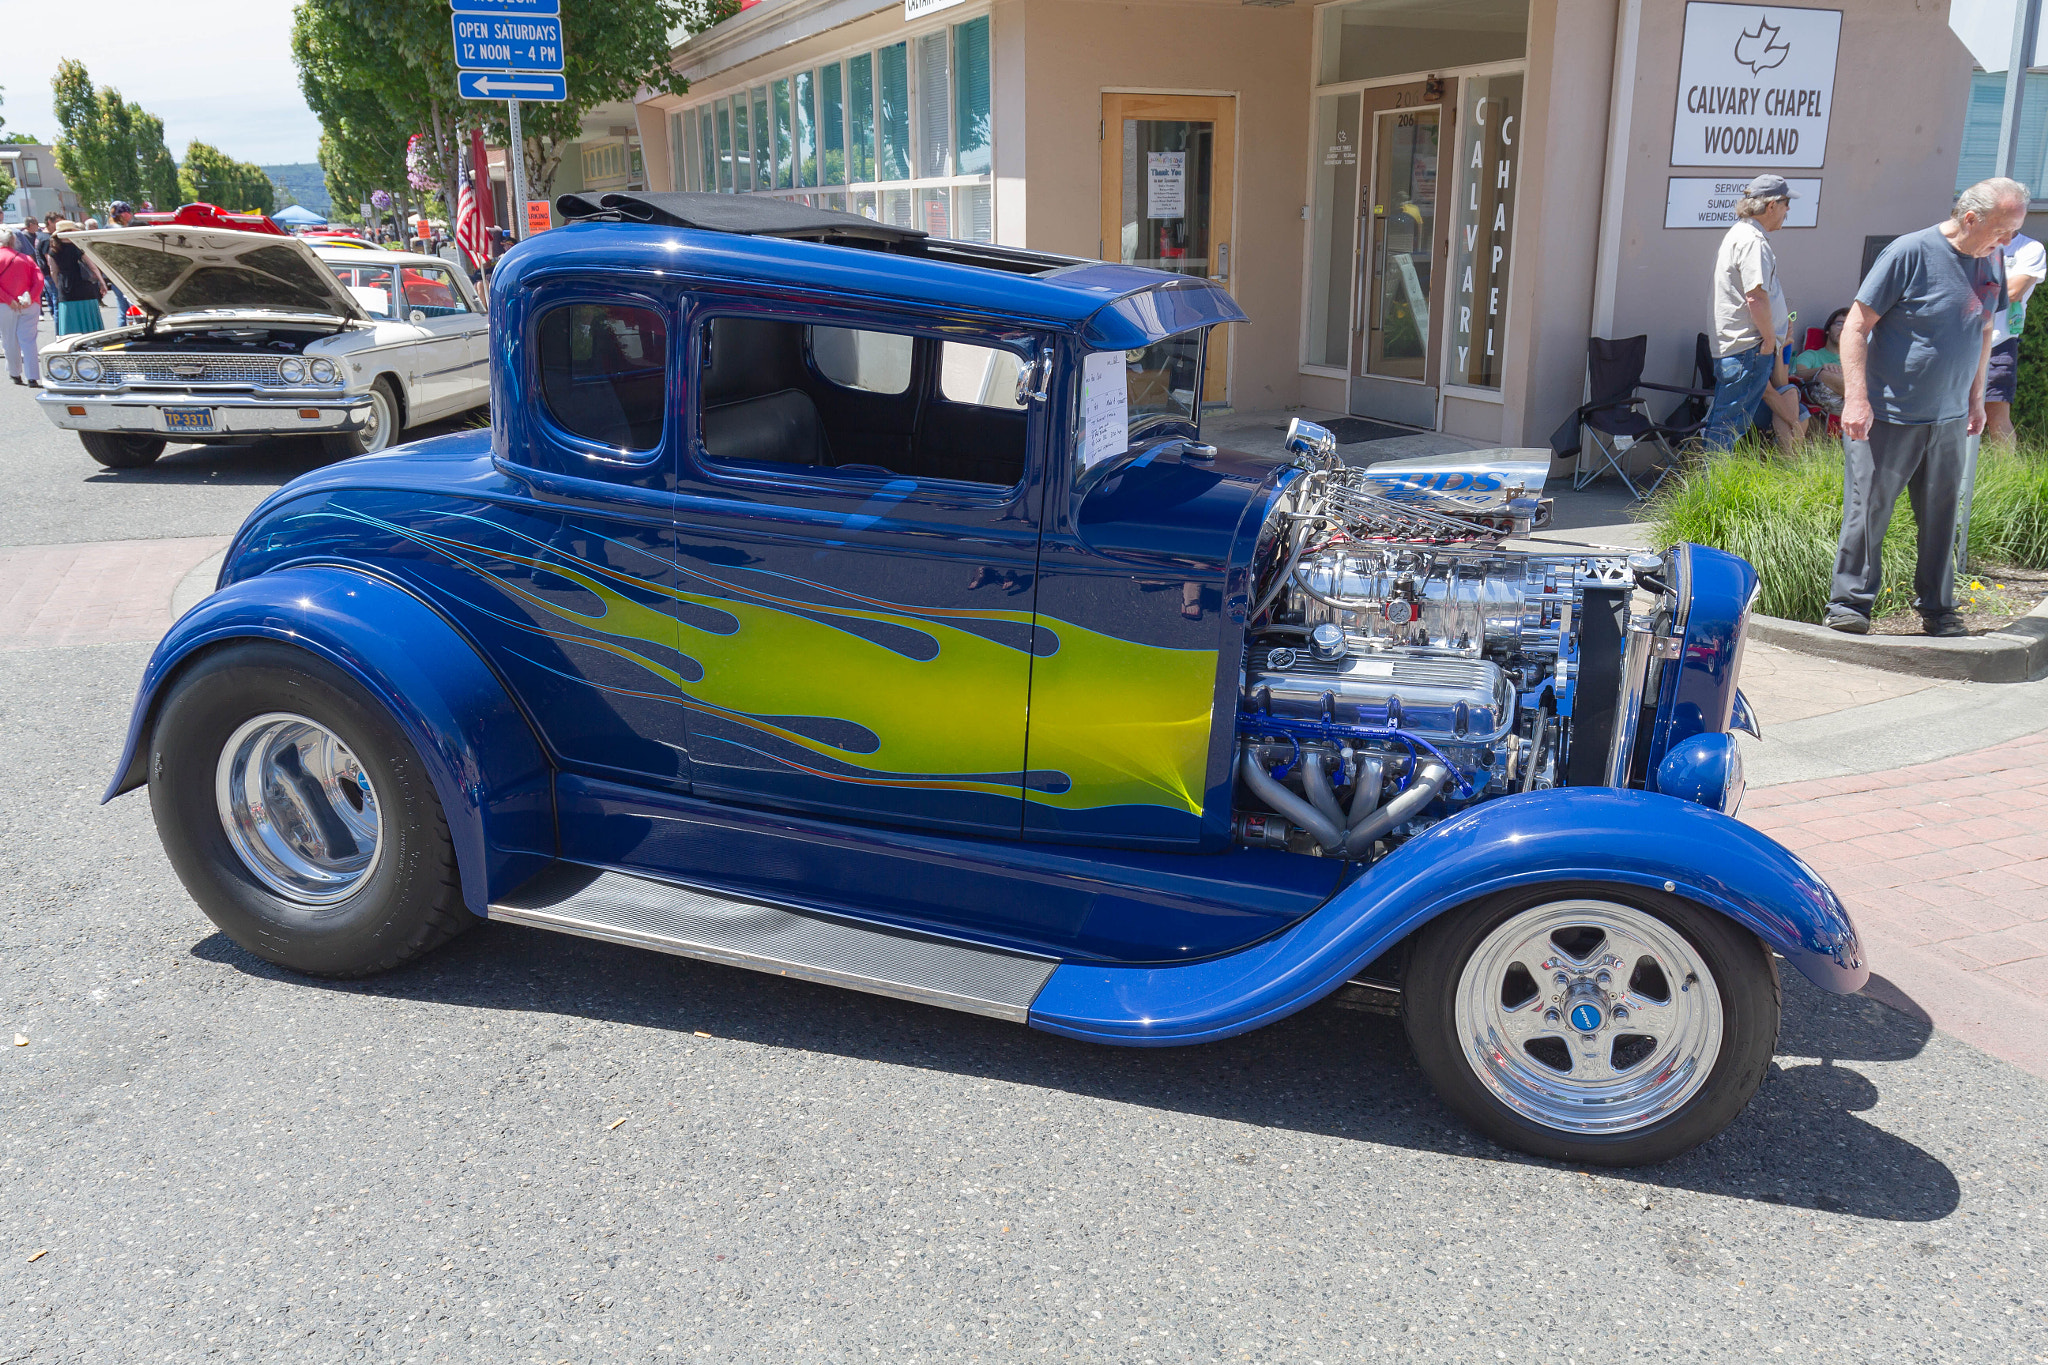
(169, 269)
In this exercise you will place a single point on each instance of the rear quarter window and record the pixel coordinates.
(603, 370)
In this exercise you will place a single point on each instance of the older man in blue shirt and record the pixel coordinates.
(1914, 355)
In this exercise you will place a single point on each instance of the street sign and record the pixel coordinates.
(495, 43)
(515, 85)
(526, 7)
(537, 219)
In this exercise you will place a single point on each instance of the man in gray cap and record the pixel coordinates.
(1749, 313)
(1914, 355)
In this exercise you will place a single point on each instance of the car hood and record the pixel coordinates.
(169, 269)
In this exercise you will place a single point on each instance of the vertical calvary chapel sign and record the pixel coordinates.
(1756, 84)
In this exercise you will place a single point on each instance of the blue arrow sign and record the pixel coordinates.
(526, 7)
(512, 85)
(503, 43)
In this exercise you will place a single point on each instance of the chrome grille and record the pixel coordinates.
(172, 368)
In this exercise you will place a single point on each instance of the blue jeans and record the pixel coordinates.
(1739, 382)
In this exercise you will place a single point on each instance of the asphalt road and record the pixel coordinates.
(536, 1148)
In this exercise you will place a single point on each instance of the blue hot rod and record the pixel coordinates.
(860, 606)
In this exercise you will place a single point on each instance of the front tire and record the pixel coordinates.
(299, 816)
(376, 433)
(118, 450)
(1595, 1024)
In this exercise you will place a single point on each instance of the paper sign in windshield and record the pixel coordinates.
(1105, 407)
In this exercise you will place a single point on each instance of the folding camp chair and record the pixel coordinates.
(1618, 415)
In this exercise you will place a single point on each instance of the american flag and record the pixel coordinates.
(469, 225)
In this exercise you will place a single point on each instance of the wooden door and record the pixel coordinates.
(1169, 166)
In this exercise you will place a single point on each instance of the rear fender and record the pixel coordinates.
(489, 770)
(1572, 834)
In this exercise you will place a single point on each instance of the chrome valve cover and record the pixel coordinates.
(1446, 700)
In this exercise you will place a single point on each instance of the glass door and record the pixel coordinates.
(1168, 165)
(1400, 259)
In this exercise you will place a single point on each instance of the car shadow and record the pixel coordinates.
(1327, 1071)
(258, 464)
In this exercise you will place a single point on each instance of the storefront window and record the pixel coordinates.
(1482, 231)
(1333, 244)
(1373, 38)
(892, 113)
(832, 126)
(970, 100)
(860, 118)
(912, 111)
(764, 141)
(806, 129)
(779, 94)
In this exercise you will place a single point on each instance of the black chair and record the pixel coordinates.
(1618, 415)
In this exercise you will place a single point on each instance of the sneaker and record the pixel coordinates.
(1946, 624)
(1847, 621)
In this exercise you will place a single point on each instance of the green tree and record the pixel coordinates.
(210, 176)
(615, 47)
(344, 77)
(109, 148)
(6, 180)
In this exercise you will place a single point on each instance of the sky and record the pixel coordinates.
(219, 71)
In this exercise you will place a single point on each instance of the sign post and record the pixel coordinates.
(510, 50)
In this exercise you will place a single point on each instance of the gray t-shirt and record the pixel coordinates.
(1933, 304)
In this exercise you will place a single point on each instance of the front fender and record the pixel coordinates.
(488, 769)
(1572, 834)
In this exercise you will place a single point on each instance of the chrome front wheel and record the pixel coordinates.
(299, 810)
(1610, 1025)
(1589, 1016)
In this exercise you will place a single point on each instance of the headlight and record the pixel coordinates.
(292, 371)
(59, 367)
(90, 369)
(323, 371)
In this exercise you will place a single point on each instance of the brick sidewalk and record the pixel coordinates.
(94, 594)
(1945, 868)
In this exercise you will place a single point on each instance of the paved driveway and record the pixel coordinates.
(535, 1148)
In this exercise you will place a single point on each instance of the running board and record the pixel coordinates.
(673, 919)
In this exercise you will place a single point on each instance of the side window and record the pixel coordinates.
(369, 285)
(431, 291)
(602, 372)
(877, 362)
(981, 375)
(857, 404)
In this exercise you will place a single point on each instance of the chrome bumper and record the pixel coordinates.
(232, 414)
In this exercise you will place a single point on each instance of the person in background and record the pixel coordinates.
(78, 285)
(21, 291)
(1915, 352)
(1819, 369)
(1783, 407)
(120, 214)
(1749, 313)
(45, 236)
(2026, 264)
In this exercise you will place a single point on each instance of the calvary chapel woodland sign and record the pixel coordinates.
(1756, 84)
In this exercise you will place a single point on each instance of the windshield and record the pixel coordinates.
(369, 284)
(1125, 392)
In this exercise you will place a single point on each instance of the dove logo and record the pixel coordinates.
(1762, 50)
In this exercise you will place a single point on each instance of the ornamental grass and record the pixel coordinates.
(1784, 515)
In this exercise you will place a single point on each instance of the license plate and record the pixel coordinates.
(188, 419)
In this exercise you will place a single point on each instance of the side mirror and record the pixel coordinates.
(1308, 438)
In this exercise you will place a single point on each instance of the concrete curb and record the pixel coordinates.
(2019, 653)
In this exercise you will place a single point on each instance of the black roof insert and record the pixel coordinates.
(745, 214)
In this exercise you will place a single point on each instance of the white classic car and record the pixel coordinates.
(255, 334)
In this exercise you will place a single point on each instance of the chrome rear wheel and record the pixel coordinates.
(299, 810)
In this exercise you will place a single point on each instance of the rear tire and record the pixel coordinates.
(299, 816)
(1655, 1041)
(377, 433)
(118, 450)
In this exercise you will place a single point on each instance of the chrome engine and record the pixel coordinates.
(1400, 661)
